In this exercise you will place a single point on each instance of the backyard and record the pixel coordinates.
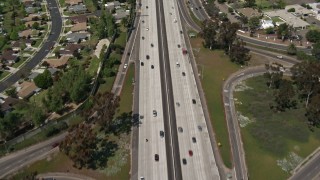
(274, 142)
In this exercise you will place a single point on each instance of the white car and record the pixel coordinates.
(175, 21)
(125, 66)
(280, 57)
(147, 29)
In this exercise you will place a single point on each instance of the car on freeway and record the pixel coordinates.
(142, 63)
(181, 32)
(152, 66)
(177, 63)
(147, 29)
(162, 134)
(147, 56)
(194, 101)
(179, 45)
(141, 178)
(142, 21)
(125, 66)
(194, 140)
(142, 37)
(174, 20)
(147, 7)
(154, 112)
(280, 57)
(183, 74)
(156, 157)
(184, 161)
(151, 44)
(200, 128)
(190, 153)
(180, 129)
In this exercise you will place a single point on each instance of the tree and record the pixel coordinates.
(239, 54)
(76, 54)
(284, 31)
(36, 25)
(292, 50)
(57, 54)
(292, 10)
(80, 145)
(12, 92)
(221, 1)
(269, 30)
(53, 101)
(306, 76)
(209, 34)
(227, 35)
(313, 35)
(9, 124)
(254, 22)
(313, 112)
(250, 3)
(316, 50)
(38, 115)
(44, 80)
(284, 95)
(14, 35)
(274, 75)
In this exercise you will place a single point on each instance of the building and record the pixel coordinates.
(33, 75)
(79, 27)
(26, 89)
(16, 46)
(28, 33)
(287, 17)
(58, 63)
(10, 57)
(299, 10)
(77, 37)
(31, 17)
(79, 8)
(120, 14)
(110, 6)
(249, 12)
(78, 19)
(266, 24)
(315, 9)
(70, 48)
(8, 103)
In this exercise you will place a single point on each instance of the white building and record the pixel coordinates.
(266, 24)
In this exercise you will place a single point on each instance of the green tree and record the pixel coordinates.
(209, 34)
(254, 22)
(292, 50)
(313, 36)
(9, 124)
(12, 92)
(284, 31)
(292, 10)
(239, 54)
(36, 25)
(227, 35)
(273, 75)
(269, 30)
(44, 80)
(316, 50)
(250, 3)
(313, 112)
(38, 115)
(284, 95)
(14, 35)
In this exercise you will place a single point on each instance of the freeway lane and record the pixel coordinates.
(55, 33)
(310, 171)
(173, 156)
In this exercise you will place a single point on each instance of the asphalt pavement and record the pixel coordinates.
(56, 27)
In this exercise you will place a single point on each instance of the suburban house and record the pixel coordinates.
(315, 9)
(26, 89)
(28, 33)
(16, 46)
(79, 27)
(78, 8)
(7, 104)
(31, 17)
(120, 14)
(73, 2)
(9, 57)
(249, 12)
(78, 19)
(31, 10)
(58, 63)
(70, 48)
(110, 6)
(282, 16)
(77, 37)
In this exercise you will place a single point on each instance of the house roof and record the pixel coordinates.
(289, 18)
(30, 9)
(121, 13)
(112, 4)
(20, 42)
(8, 103)
(79, 27)
(73, 2)
(299, 9)
(78, 19)
(27, 89)
(33, 75)
(71, 48)
(249, 12)
(74, 37)
(25, 33)
(30, 17)
(58, 62)
(8, 55)
(78, 8)
(52, 70)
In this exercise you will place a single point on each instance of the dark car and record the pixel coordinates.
(156, 157)
(142, 63)
(180, 129)
(152, 66)
(161, 134)
(183, 74)
(147, 56)
(184, 161)
(142, 21)
(151, 44)
(179, 45)
(200, 128)
(190, 153)
(181, 32)
(142, 37)
(193, 101)
(194, 140)
(147, 7)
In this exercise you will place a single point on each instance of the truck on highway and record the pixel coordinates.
(184, 51)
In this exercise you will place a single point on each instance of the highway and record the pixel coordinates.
(310, 171)
(56, 27)
(15, 161)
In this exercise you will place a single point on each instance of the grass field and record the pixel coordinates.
(121, 40)
(94, 64)
(263, 4)
(216, 67)
(272, 135)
